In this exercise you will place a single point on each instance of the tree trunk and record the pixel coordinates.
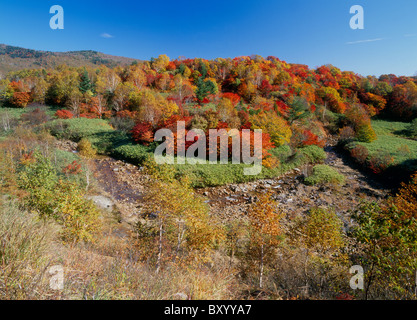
(158, 262)
(262, 267)
(179, 241)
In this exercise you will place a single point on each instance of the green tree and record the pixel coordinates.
(204, 88)
(387, 237)
(85, 82)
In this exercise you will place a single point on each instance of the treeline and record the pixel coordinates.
(292, 104)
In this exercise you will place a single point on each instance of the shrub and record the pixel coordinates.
(142, 133)
(359, 153)
(366, 134)
(124, 124)
(64, 114)
(412, 129)
(183, 229)
(61, 200)
(346, 134)
(324, 174)
(35, 117)
(312, 139)
(135, 154)
(86, 149)
(20, 99)
(276, 126)
(313, 153)
(79, 217)
(73, 168)
(321, 230)
(380, 161)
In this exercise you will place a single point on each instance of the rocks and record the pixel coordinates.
(252, 199)
(102, 202)
(125, 183)
(66, 145)
(234, 188)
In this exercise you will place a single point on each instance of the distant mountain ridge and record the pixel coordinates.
(16, 58)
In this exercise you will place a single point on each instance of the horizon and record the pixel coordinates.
(299, 32)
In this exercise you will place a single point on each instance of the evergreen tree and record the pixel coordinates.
(85, 82)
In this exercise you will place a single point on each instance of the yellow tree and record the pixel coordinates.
(320, 234)
(153, 107)
(184, 230)
(271, 123)
(406, 199)
(159, 64)
(228, 113)
(137, 76)
(265, 231)
(183, 87)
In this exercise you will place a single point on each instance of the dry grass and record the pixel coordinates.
(25, 247)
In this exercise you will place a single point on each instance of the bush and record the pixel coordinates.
(359, 153)
(133, 153)
(366, 134)
(324, 174)
(412, 129)
(86, 149)
(346, 134)
(63, 201)
(123, 124)
(313, 153)
(64, 114)
(35, 117)
(79, 217)
(142, 133)
(380, 161)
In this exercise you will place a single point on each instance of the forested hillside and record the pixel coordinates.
(15, 58)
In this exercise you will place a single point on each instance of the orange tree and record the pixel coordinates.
(265, 234)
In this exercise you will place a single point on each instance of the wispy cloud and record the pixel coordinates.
(106, 35)
(364, 41)
(410, 35)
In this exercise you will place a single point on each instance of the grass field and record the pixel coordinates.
(392, 140)
(119, 145)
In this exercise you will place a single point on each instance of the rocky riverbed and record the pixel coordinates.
(123, 185)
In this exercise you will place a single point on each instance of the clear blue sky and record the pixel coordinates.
(297, 31)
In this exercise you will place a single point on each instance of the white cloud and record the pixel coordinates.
(364, 41)
(106, 35)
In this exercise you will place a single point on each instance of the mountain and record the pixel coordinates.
(16, 58)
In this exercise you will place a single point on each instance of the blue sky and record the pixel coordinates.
(297, 31)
